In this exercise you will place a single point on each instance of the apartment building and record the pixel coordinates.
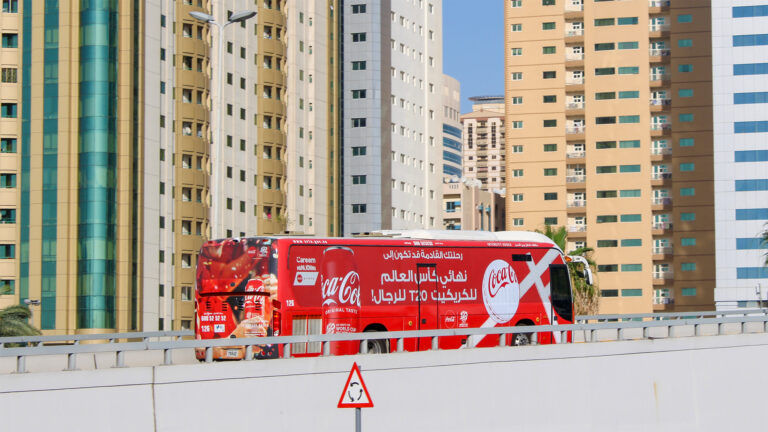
(484, 146)
(609, 110)
(740, 92)
(451, 128)
(10, 129)
(466, 206)
(392, 122)
(312, 106)
(122, 170)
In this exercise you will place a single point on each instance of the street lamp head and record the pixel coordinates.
(241, 16)
(202, 16)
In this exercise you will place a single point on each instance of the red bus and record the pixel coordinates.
(403, 280)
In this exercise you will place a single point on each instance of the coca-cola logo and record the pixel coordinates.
(341, 290)
(501, 291)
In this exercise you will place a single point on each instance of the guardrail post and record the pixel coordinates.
(119, 359)
(593, 335)
(534, 338)
(743, 327)
(434, 343)
(646, 332)
(719, 328)
(502, 340)
(249, 352)
(620, 334)
(71, 362)
(670, 331)
(364, 346)
(765, 326)
(401, 343)
(326, 348)
(21, 364)
(697, 329)
(208, 354)
(287, 350)
(167, 357)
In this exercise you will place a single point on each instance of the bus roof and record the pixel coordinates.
(518, 236)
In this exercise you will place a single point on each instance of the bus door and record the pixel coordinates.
(427, 283)
(562, 300)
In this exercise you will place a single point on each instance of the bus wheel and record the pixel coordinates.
(377, 346)
(519, 339)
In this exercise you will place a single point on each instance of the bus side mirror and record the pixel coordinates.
(588, 275)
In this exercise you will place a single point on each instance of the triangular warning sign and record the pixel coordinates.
(355, 394)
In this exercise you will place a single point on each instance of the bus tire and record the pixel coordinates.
(377, 346)
(521, 339)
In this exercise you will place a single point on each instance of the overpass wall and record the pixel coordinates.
(696, 383)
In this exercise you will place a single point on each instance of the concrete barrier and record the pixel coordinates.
(697, 383)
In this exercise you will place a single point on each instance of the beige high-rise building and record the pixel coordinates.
(10, 130)
(608, 111)
(483, 136)
(107, 148)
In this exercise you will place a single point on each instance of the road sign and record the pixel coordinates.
(355, 393)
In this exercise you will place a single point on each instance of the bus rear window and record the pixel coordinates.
(561, 291)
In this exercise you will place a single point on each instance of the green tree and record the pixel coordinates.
(14, 321)
(586, 297)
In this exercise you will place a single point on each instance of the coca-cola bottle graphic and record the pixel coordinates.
(340, 285)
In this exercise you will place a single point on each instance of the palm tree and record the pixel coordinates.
(14, 321)
(585, 297)
(764, 242)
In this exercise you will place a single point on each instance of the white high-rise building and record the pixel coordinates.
(392, 165)
(740, 92)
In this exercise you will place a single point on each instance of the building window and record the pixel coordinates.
(7, 145)
(358, 65)
(358, 37)
(10, 6)
(359, 208)
(686, 267)
(684, 43)
(548, 26)
(8, 110)
(358, 179)
(358, 122)
(684, 18)
(548, 50)
(689, 191)
(550, 221)
(358, 94)
(10, 40)
(9, 75)
(550, 196)
(358, 8)
(549, 74)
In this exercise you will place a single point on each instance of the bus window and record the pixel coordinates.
(561, 291)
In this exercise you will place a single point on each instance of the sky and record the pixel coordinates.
(473, 47)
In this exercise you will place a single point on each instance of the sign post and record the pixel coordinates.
(355, 395)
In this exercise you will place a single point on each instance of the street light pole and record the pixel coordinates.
(215, 221)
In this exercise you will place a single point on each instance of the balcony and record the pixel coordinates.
(660, 253)
(658, 30)
(659, 55)
(574, 57)
(577, 228)
(659, 80)
(661, 201)
(657, 6)
(574, 108)
(663, 300)
(574, 80)
(661, 151)
(577, 203)
(574, 11)
(661, 277)
(574, 35)
(660, 228)
(658, 129)
(574, 32)
(660, 104)
(575, 154)
(661, 176)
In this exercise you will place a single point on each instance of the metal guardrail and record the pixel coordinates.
(110, 337)
(284, 342)
(670, 315)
